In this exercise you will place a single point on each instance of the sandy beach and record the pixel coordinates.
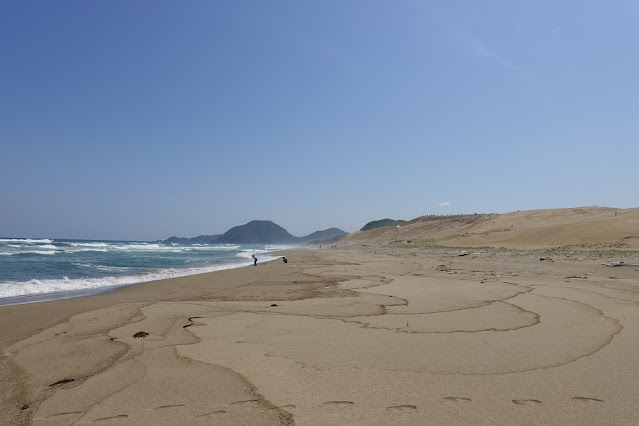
(354, 335)
(319, 213)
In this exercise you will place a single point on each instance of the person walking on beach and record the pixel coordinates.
(254, 260)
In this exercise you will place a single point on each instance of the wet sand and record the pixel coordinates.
(364, 335)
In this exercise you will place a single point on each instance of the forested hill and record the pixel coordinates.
(259, 232)
(382, 223)
(327, 234)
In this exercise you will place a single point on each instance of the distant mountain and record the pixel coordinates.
(382, 223)
(176, 240)
(202, 239)
(327, 234)
(258, 232)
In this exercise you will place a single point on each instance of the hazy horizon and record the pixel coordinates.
(142, 120)
(296, 235)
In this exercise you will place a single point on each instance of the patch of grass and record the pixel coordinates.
(586, 251)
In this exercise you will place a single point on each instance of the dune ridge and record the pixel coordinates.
(591, 227)
(374, 332)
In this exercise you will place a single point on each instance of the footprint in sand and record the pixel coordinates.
(119, 416)
(584, 399)
(339, 403)
(61, 382)
(248, 401)
(170, 406)
(456, 399)
(66, 413)
(214, 413)
(401, 408)
(526, 401)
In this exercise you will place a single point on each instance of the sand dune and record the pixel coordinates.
(387, 333)
(591, 227)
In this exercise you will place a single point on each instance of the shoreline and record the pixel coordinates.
(498, 328)
(22, 321)
(71, 294)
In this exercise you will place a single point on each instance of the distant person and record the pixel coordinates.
(284, 259)
(254, 260)
(615, 213)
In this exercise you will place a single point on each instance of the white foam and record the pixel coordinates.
(225, 247)
(103, 267)
(172, 248)
(57, 287)
(45, 252)
(143, 246)
(149, 247)
(40, 287)
(246, 254)
(25, 241)
(89, 244)
(78, 250)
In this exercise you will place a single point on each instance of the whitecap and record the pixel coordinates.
(143, 246)
(102, 267)
(79, 250)
(60, 286)
(54, 286)
(25, 241)
(246, 254)
(89, 244)
(44, 252)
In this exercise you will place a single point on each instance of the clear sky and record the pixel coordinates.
(146, 119)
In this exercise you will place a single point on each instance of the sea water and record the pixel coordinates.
(45, 269)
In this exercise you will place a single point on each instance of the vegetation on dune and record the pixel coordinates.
(570, 252)
(382, 223)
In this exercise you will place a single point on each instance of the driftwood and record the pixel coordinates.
(622, 263)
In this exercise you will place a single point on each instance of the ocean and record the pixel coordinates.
(33, 270)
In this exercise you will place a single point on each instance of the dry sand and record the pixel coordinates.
(594, 227)
(355, 335)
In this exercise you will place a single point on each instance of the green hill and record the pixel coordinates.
(202, 239)
(327, 234)
(382, 223)
(258, 232)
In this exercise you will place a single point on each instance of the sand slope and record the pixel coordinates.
(595, 227)
(362, 335)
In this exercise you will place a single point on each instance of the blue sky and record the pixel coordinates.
(146, 119)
